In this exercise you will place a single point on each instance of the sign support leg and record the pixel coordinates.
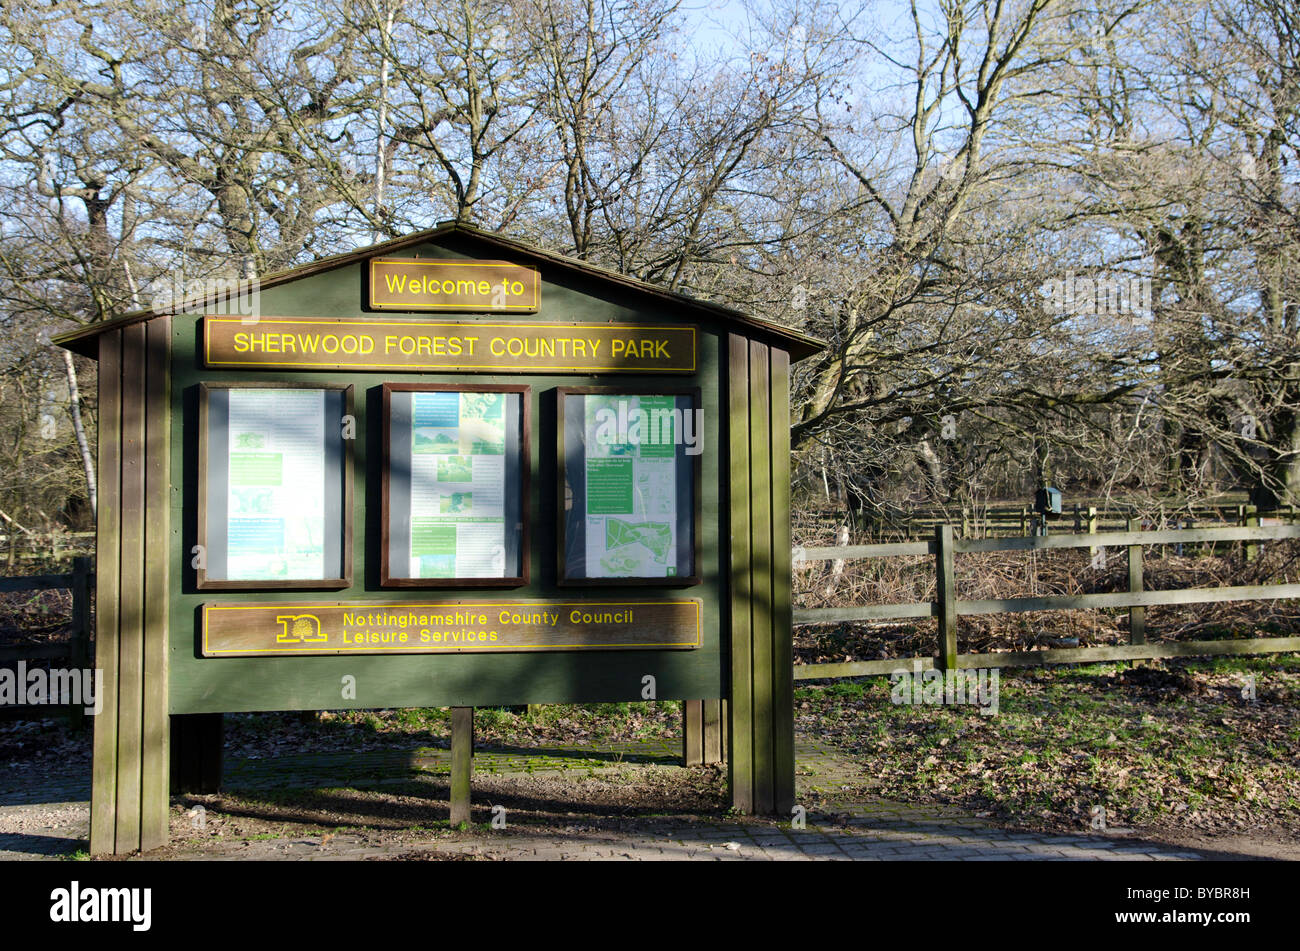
(760, 698)
(196, 742)
(462, 746)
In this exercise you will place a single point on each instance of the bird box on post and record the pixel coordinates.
(1047, 501)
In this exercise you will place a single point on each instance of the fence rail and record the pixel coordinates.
(948, 607)
(1086, 517)
(75, 652)
(20, 545)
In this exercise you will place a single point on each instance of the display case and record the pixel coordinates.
(455, 485)
(629, 486)
(275, 486)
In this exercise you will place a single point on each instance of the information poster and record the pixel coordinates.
(275, 486)
(458, 485)
(631, 478)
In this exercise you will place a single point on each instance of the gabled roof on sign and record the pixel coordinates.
(799, 345)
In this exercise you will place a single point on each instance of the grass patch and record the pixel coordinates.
(267, 734)
(1182, 744)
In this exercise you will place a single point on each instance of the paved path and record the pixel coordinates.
(871, 836)
(51, 820)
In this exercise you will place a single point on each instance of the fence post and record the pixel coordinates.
(1250, 518)
(1241, 520)
(1078, 518)
(1092, 527)
(1024, 518)
(1137, 616)
(946, 592)
(80, 653)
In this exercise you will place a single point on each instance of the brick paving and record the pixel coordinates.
(51, 820)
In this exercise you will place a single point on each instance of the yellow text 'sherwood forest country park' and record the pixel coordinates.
(361, 344)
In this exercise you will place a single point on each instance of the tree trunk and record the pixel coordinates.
(87, 460)
(1281, 482)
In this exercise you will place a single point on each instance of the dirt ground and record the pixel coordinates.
(1181, 754)
(626, 802)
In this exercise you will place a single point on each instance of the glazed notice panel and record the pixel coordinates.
(274, 486)
(454, 485)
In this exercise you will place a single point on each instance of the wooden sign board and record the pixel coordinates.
(448, 627)
(310, 343)
(457, 285)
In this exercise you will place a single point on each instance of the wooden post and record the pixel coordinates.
(80, 658)
(155, 726)
(782, 636)
(761, 619)
(741, 693)
(1241, 520)
(1163, 523)
(462, 744)
(946, 591)
(196, 741)
(103, 789)
(1137, 616)
(129, 769)
(1250, 518)
(692, 732)
(965, 523)
(1024, 521)
(131, 593)
(1092, 526)
(715, 744)
(760, 690)
(702, 741)
(1078, 518)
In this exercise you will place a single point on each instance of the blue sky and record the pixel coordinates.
(714, 21)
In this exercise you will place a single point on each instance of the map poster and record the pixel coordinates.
(631, 509)
(458, 485)
(275, 503)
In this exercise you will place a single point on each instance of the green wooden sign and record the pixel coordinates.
(466, 535)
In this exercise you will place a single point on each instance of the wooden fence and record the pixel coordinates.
(21, 545)
(948, 608)
(74, 653)
(1023, 521)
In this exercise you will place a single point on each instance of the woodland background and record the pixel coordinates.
(1046, 240)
